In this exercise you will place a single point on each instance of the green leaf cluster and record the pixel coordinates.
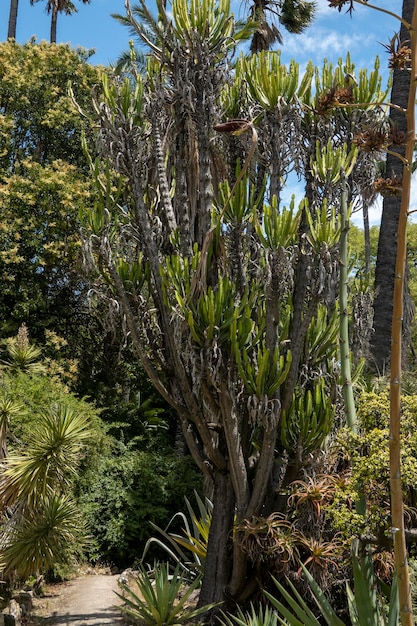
(162, 597)
(368, 452)
(308, 420)
(41, 523)
(125, 491)
(272, 84)
(37, 117)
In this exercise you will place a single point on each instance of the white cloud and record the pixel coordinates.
(322, 43)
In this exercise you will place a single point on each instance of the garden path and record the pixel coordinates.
(85, 601)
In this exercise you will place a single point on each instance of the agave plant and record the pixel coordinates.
(258, 616)
(157, 601)
(365, 605)
(194, 539)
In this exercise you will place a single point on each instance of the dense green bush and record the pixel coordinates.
(35, 393)
(363, 462)
(126, 490)
(46, 436)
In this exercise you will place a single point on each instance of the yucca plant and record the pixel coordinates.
(51, 462)
(36, 539)
(41, 524)
(157, 601)
(8, 410)
(21, 355)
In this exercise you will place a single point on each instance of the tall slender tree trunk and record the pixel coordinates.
(11, 31)
(387, 245)
(54, 19)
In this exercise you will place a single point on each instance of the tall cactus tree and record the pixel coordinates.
(227, 297)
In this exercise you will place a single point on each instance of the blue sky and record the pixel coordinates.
(331, 35)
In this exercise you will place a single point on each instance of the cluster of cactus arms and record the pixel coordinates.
(229, 298)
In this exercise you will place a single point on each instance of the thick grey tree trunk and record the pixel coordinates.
(219, 560)
(387, 245)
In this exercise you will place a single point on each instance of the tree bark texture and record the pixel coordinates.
(11, 31)
(54, 20)
(387, 244)
(218, 561)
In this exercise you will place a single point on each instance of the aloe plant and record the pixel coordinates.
(157, 601)
(258, 616)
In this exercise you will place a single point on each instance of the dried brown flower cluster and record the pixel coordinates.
(232, 126)
(397, 137)
(389, 186)
(333, 98)
(400, 54)
(371, 140)
(375, 140)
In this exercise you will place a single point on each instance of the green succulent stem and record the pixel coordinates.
(348, 396)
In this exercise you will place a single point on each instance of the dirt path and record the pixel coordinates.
(85, 601)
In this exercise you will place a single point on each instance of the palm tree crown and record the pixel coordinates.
(294, 15)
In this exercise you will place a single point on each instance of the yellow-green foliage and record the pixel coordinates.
(43, 178)
(36, 114)
(368, 453)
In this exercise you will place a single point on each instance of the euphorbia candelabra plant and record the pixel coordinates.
(228, 297)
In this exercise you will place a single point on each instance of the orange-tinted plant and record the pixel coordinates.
(312, 493)
(318, 555)
(271, 539)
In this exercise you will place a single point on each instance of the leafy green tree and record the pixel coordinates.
(229, 297)
(43, 185)
(37, 118)
(40, 246)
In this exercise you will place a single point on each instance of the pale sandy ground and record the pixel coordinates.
(85, 601)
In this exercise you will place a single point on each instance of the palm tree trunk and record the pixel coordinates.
(11, 32)
(54, 19)
(387, 244)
